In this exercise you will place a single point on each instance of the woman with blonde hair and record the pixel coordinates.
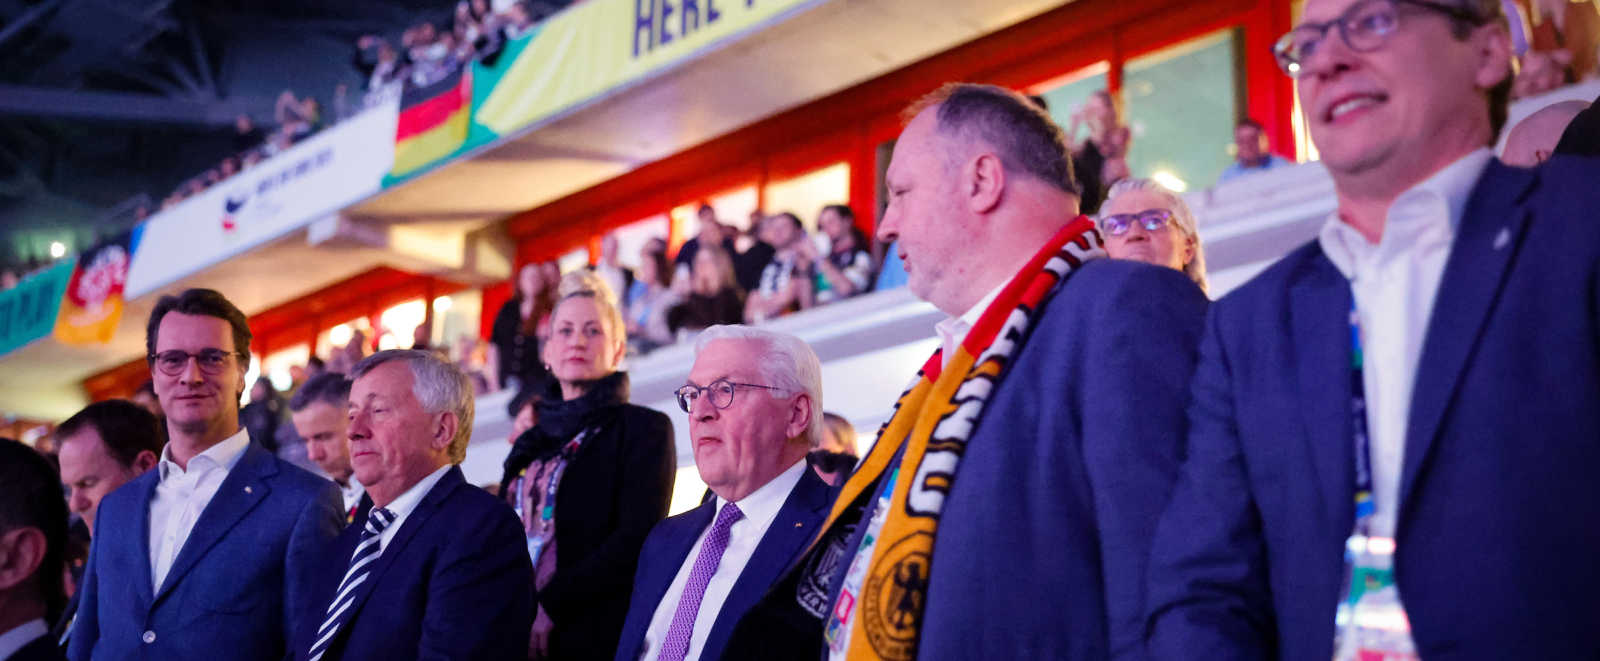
(589, 480)
(1147, 222)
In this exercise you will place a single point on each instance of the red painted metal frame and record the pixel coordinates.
(848, 125)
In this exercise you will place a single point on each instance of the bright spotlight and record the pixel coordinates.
(57, 249)
(441, 304)
(1170, 181)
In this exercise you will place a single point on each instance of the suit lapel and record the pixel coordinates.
(239, 493)
(1486, 244)
(408, 529)
(797, 521)
(1320, 307)
(139, 510)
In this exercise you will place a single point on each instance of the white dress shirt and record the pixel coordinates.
(21, 637)
(953, 331)
(352, 491)
(404, 504)
(760, 508)
(182, 495)
(1394, 284)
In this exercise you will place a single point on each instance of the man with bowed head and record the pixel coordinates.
(1392, 442)
(436, 567)
(1006, 511)
(209, 555)
(754, 399)
(320, 412)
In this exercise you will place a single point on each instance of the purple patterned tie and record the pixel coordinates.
(676, 645)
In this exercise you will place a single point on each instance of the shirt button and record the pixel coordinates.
(149, 636)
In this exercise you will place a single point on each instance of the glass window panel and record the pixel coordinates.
(805, 195)
(1180, 104)
(1067, 94)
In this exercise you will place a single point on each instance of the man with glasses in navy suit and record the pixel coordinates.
(754, 400)
(1393, 433)
(209, 555)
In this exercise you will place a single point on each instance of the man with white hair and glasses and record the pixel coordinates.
(1392, 431)
(754, 399)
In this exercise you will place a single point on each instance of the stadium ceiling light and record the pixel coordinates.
(441, 304)
(57, 250)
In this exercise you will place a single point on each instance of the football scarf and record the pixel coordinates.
(936, 417)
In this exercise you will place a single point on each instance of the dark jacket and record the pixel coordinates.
(614, 491)
(455, 582)
(668, 547)
(1499, 521)
(699, 312)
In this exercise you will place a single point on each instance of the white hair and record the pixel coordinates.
(787, 361)
(438, 386)
(1195, 268)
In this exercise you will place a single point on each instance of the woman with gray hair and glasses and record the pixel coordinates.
(1147, 222)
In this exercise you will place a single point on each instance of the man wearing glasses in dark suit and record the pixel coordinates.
(209, 555)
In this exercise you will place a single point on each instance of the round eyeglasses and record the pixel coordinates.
(1150, 219)
(211, 361)
(1364, 27)
(719, 393)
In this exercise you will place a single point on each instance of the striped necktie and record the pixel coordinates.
(366, 551)
(675, 646)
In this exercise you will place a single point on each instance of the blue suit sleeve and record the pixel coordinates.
(86, 628)
(320, 522)
(1208, 591)
(1141, 356)
(480, 596)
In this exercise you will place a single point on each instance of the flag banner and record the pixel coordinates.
(433, 122)
(28, 310)
(92, 305)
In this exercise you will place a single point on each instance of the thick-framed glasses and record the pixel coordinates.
(1150, 219)
(1364, 27)
(719, 393)
(211, 361)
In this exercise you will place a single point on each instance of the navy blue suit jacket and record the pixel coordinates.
(669, 544)
(1041, 547)
(454, 582)
(236, 584)
(1499, 521)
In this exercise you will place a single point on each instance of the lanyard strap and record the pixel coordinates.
(1365, 505)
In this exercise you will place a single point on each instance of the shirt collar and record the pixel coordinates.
(20, 637)
(224, 455)
(762, 505)
(405, 502)
(1408, 216)
(953, 331)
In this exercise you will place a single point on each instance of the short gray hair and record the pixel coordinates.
(438, 385)
(786, 360)
(1195, 268)
(1023, 135)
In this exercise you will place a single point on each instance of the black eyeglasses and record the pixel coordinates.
(720, 393)
(1150, 219)
(171, 363)
(1365, 27)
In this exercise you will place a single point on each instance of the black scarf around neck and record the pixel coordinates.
(562, 419)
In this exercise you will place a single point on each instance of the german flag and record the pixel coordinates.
(433, 122)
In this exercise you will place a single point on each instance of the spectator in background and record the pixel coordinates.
(9, 279)
(836, 456)
(754, 258)
(779, 292)
(847, 268)
(519, 329)
(246, 135)
(320, 412)
(714, 296)
(1569, 30)
(589, 481)
(610, 268)
(297, 118)
(1252, 152)
(1534, 139)
(33, 546)
(518, 21)
(145, 397)
(264, 413)
(712, 231)
(1582, 137)
(378, 61)
(101, 448)
(1100, 159)
(1146, 222)
(650, 298)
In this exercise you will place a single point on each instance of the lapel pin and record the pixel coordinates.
(799, 525)
(247, 489)
(1502, 239)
